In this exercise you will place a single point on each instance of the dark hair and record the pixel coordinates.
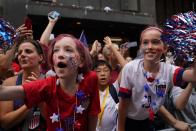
(84, 53)
(101, 63)
(33, 42)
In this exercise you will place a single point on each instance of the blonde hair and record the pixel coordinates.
(150, 28)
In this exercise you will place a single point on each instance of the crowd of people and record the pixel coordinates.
(61, 85)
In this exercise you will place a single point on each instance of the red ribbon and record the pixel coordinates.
(151, 114)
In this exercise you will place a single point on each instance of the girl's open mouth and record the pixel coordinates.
(61, 65)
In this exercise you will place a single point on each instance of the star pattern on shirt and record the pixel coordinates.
(54, 118)
(80, 109)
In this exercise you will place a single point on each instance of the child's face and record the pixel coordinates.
(152, 45)
(101, 57)
(66, 57)
(103, 73)
(28, 56)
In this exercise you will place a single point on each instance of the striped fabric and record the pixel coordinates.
(124, 92)
(177, 78)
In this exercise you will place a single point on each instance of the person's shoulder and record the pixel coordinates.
(134, 62)
(168, 65)
(10, 81)
(133, 65)
(91, 74)
(90, 77)
(50, 79)
(46, 81)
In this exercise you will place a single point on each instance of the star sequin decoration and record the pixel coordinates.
(80, 109)
(80, 77)
(77, 125)
(54, 118)
(149, 76)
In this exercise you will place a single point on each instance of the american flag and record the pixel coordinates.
(34, 123)
(83, 39)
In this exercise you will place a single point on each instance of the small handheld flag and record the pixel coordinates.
(83, 39)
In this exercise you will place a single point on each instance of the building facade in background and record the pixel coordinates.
(122, 19)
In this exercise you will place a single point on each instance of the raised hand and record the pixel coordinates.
(32, 77)
(96, 47)
(107, 41)
(24, 32)
(53, 20)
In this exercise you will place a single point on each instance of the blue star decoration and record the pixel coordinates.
(54, 118)
(59, 129)
(146, 87)
(80, 94)
(80, 109)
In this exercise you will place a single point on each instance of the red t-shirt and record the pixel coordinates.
(15, 67)
(114, 74)
(54, 97)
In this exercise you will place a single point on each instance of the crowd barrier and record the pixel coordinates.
(193, 126)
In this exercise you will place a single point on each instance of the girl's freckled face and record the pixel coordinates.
(66, 58)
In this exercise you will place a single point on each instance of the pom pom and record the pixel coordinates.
(179, 33)
(7, 35)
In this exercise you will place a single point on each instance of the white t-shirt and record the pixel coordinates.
(109, 118)
(133, 80)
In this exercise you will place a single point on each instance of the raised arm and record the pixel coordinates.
(96, 48)
(117, 54)
(24, 32)
(46, 34)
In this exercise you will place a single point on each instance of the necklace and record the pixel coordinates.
(71, 122)
(152, 83)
